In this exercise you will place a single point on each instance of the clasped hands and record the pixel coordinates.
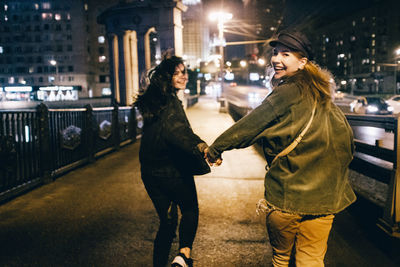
(210, 161)
(203, 147)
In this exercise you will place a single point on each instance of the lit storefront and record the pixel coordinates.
(16, 93)
(39, 93)
(57, 93)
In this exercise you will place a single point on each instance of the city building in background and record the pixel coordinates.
(52, 50)
(361, 48)
(196, 41)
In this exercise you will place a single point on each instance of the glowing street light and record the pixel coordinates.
(243, 63)
(221, 17)
(261, 61)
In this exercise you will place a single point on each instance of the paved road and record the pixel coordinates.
(100, 215)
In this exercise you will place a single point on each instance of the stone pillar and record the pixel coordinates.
(147, 52)
(141, 53)
(131, 66)
(112, 46)
(121, 69)
(129, 25)
(170, 27)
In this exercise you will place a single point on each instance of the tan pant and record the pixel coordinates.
(308, 235)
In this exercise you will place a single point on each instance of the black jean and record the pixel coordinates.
(167, 193)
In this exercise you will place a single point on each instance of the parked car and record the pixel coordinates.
(377, 105)
(350, 103)
(394, 101)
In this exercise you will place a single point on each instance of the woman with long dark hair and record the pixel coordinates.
(167, 146)
(308, 145)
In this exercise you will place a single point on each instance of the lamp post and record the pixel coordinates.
(221, 17)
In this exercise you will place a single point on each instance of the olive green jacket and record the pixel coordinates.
(313, 178)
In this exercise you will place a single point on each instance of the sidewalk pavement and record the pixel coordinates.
(100, 214)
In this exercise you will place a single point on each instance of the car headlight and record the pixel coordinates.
(372, 108)
(390, 108)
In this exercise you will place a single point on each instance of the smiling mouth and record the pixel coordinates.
(278, 69)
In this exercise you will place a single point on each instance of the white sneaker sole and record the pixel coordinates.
(179, 260)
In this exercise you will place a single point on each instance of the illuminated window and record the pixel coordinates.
(86, 7)
(46, 5)
(11, 80)
(47, 16)
(106, 91)
(68, 16)
(5, 18)
(101, 39)
(5, 7)
(36, 6)
(57, 16)
(102, 58)
(1, 50)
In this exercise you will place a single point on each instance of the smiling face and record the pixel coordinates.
(180, 77)
(285, 62)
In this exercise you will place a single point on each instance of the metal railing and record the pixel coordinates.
(381, 164)
(373, 162)
(36, 146)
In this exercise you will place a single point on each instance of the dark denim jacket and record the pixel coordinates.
(166, 142)
(313, 178)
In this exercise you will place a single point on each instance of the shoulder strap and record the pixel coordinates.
(296, 141)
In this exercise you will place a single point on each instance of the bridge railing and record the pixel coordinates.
(371, 162)
(36, 146)
(381, 164)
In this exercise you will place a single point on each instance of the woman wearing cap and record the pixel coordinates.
(308, 145)
(166, 150)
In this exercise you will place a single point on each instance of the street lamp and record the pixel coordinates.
(221, 17)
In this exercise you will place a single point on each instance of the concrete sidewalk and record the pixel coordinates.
(100, 214)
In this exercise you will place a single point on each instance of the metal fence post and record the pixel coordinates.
(390, 222)
(90, 132)
(45, 162)
(115, 127)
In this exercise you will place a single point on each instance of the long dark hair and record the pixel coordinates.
(155, 96)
